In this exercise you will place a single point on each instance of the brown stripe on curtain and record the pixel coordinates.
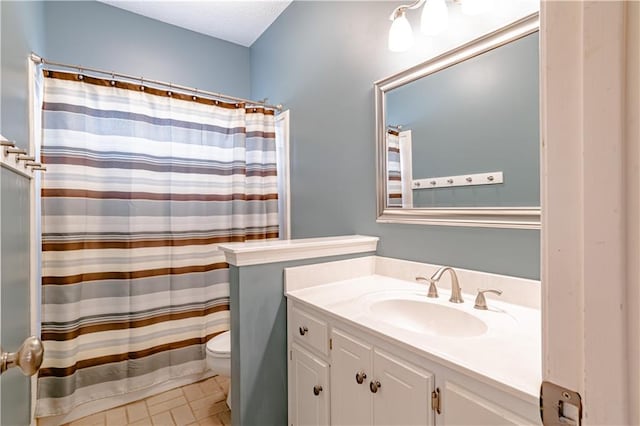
(121, 195)
(94, 362)
(129, 324)
(130, 275)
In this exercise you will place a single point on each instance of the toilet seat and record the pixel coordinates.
(220, 346)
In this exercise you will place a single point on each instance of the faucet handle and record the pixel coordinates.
(481, 301)
(433, 290)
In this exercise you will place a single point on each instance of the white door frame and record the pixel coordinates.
(283, 141)
(585, 204)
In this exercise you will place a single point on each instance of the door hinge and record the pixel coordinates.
(290, 355)
(559, 406)
(330, 344)
(435, 400)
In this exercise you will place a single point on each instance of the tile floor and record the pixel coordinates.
(201, 403)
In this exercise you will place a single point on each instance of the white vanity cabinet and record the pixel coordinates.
(310, 402)
(367, 380)
(463, 407)
(309, 385)
(371, 387)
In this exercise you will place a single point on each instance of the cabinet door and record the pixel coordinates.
(310, 396)
(350, 400)
(404, 394)
(463, 407)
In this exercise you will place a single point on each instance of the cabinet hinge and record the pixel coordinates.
(330, 344)
(291, 355)
(435, 400)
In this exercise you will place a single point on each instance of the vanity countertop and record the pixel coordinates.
(506, 356)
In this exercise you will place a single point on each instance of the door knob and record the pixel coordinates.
(374, 386)
(360, 376)
(28, 357)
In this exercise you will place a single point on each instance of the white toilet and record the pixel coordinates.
(219, 357)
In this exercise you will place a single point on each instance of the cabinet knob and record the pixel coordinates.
(374, 386)
(317, 389)
(360, 376)
(303, 330)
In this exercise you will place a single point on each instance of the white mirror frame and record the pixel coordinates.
(495, 217)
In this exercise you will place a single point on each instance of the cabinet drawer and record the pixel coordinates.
(311, 330)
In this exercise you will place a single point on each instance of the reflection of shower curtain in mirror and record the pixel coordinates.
(140, 187)
(394, 173)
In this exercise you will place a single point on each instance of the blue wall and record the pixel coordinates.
(101, 36)
(320, 59)
(22, 30)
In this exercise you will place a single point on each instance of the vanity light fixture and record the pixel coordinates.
(434, 19)
(400, 33)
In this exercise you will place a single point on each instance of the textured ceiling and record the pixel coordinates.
(237, 21)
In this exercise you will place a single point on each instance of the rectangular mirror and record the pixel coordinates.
(458, 140)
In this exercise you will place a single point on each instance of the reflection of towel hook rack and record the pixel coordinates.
(490, 178)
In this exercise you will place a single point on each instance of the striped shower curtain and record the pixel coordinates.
(394, 174)
(141, 185)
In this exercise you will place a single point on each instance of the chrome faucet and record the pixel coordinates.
(456, 293)
(433, 290)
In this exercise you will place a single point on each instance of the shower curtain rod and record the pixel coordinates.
(40, 60)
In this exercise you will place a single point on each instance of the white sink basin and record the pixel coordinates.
(423, 316)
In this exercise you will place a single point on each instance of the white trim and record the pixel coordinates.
(283, 121)
(633, 205)
(406, 167)
(0, 197)
(35, 243)
(584, 303)
(260, 252)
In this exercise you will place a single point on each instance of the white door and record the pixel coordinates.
(351, 370)
(403, 396)
(590, 192)
(311, 389)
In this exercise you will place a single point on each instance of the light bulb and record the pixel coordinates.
(400, 34)
(435, 17)
(476, 7)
